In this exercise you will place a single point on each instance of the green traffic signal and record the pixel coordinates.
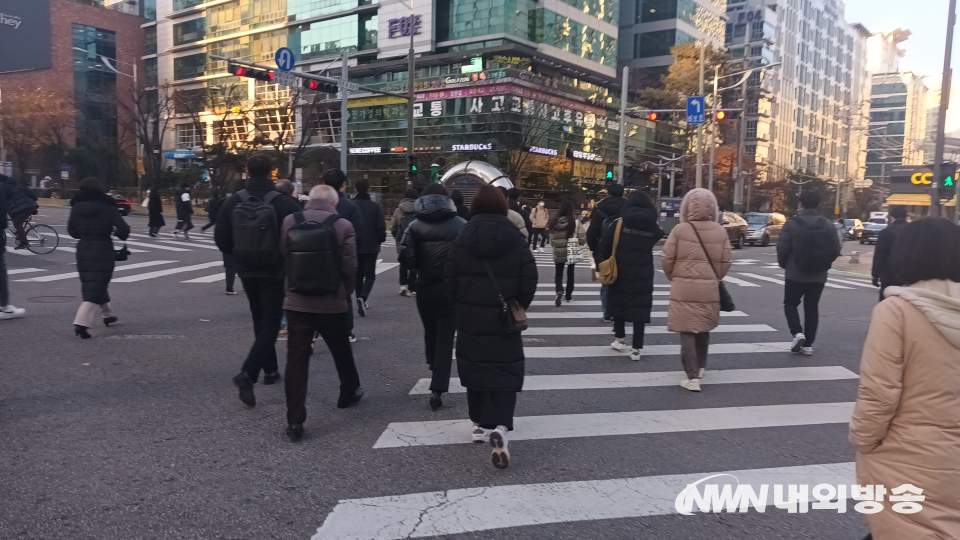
(609, 175)
(948, 182)
(413, 168)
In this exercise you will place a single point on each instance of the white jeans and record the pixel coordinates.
(88, 311)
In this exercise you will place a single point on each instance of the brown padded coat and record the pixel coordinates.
(694, 294)
(906, 424)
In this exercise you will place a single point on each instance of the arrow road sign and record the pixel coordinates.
(285, 59)
(696, 107)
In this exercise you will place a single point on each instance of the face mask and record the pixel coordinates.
(540, 205)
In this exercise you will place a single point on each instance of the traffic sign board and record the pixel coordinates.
(696, 107)
(284, 78)
(353, 87)
(285, 59)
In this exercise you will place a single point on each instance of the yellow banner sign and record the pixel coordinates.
(374, 101)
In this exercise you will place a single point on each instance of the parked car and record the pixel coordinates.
(763, 228)
(123, 204)
(870, 232)
(854, 228)
(736, 228)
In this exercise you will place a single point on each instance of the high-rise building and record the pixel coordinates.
(898, 123)
(802, 115)
(650, 28)
(527, 85)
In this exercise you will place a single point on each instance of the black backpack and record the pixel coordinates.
(256, 238)
(815, 245)
(313, 257)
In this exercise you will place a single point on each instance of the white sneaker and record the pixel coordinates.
(404, 290)
(798, 341)
(11, 312)
(806, 351)
(619, 344)
(701, 373)
(479, 434)
(498, 441)
(635, 355)
(692, 385)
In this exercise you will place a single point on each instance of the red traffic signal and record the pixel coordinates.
(721, 115)
(652, 117)
(321, 86)
(243, 71)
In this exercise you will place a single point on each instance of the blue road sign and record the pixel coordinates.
(696, 113)
(285, 59)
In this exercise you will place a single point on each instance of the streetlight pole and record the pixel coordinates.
(344, 113)
(703, 47)
(942, 117)
(411, 66)
(716, 126)
(623, 125)
(738, 189)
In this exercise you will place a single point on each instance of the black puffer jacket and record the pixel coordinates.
(184, 208)
(155, 207)
(488, 357)
(93, 219)
(632, 295)
(19, 200)
(608, 209)
(374, 230)
(881, 255)
(427, 240)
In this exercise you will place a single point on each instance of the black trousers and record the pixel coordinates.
(538, 233)
(185, 224)
(265, 296)
(558, 278)
(4, 290)
(408, 276)
(620, 331)
(439, 318)
(793, 293)
(300, 330)
(366, 273)
(19, 225)
(213, 221)
(230, 270)
(492, 409)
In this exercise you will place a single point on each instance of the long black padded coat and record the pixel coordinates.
(94, 218)
(631, 296)
(426, 242)
(488, 357)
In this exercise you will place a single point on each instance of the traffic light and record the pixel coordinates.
(948, 187)
(653, 117)
(412, 166)
(253, 73)
(609, 171)
(321, 86)
(720, 116)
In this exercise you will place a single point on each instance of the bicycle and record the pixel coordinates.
(41, 239)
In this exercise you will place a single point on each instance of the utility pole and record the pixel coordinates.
(942, 116)
(344, 113)
(738, 188)
(411, 66)
(673, 175)
(716, 126)
(623, 126)
(703, 47)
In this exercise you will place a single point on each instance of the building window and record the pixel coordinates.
(95, 84)
(231, 131)
(150, 69)
(188, 32)
(756, 30)
(150, 40)
(190, 135)
(756, 51)
(189, 67)
(570, 36)
(148, 9)
(334, 36)
(658, 43)
(739, 30)
(185, 4)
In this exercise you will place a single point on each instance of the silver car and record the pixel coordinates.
(763, 228)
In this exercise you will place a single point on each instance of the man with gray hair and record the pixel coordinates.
(321, 313)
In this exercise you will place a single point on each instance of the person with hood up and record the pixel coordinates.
(155, 208)
(631, 296)
(424, 246)
(94, 218)
(567, 235)
(906, 422)
(606, 212)
(695, 258)
(403, 216)
(488, 265)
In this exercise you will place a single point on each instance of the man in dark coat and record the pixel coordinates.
(21, 204)
(184, 212)
(424, 246)
(94, 218)
(155, 208)
(7, 311)
(374, 234)
(883, 276)
(336, 179)
(606, 212)
(631, 296)
(264, 286)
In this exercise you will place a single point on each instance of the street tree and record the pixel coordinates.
(34, 120)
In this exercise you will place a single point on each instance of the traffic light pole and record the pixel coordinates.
(942, 117)
(411, 66)
(738, 187)
(700, 127)
(344, 114)
(623, 126)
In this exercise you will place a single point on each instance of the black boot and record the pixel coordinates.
(436, 400)
(295, 432)
(81, 331)
(107, 321)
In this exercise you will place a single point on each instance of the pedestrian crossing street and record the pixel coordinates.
(513, 504)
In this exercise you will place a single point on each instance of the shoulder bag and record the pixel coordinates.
(608, 268)
(726, 301)
(513, 315)
(121, 254)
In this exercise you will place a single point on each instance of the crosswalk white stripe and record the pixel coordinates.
(207, 279)
(740, 282)
(566, 426)
(593, 293)
(591, 351)
(160, 273)
(68, 275)
(156, 246)
(190, 243)
(13, 271)
(856, 283)
(594, 286)
(168, 239)
(383, 267)
(598, 316)
(762, 278)
(593, 381)
(601, 330)
(827, 284)
(587, 302)
(465, 510)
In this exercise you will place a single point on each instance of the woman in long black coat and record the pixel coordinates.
(155, 207)
(631, 296)
(94, 218)
(490, 358)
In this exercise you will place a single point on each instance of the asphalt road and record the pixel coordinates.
(138, 433)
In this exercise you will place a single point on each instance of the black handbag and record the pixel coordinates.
(513, 314)
(726, 301)
(121, 254)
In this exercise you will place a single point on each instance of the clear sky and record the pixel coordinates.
(927, 20)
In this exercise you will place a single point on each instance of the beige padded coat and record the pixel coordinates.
(906, 424)
(694, 294)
